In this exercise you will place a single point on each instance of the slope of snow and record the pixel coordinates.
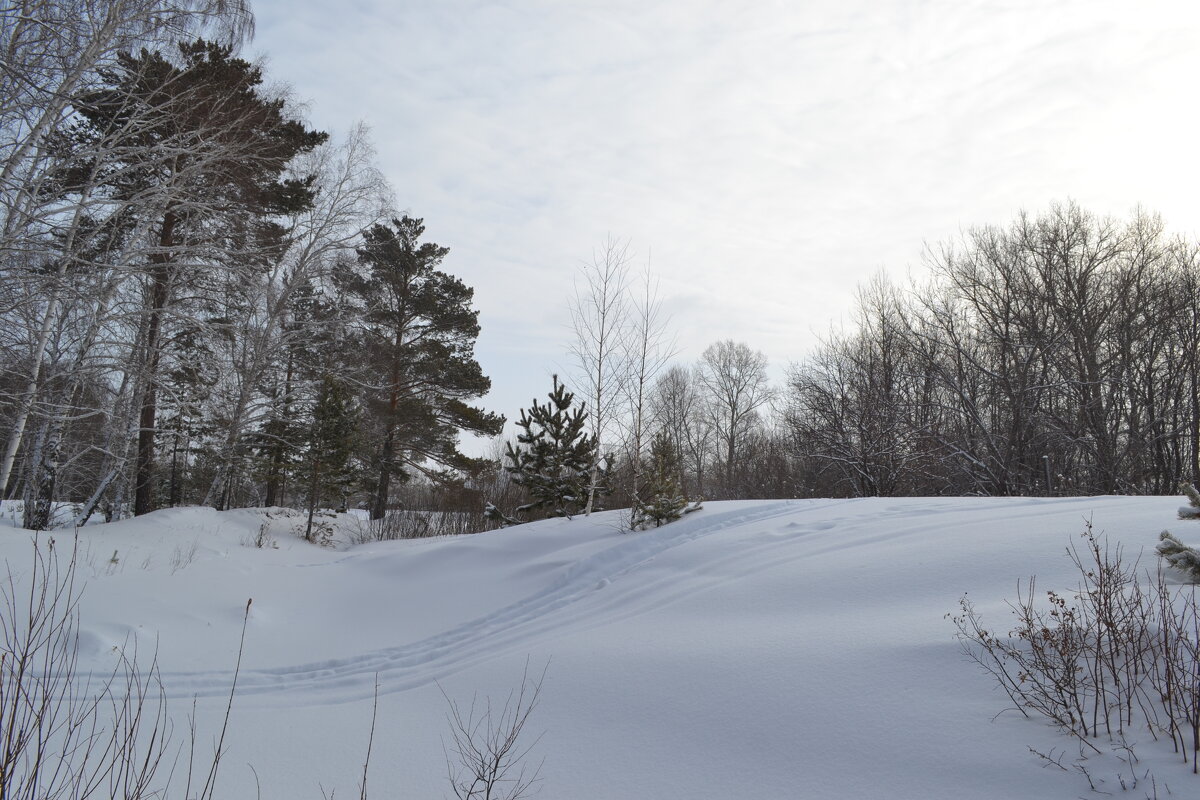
(753, 649)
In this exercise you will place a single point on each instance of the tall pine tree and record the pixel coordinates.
(418, 333)
(192, 139)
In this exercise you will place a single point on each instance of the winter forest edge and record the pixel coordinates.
(209, 303)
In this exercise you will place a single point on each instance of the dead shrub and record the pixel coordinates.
(1118, 653)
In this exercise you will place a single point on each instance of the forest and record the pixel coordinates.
(207, 302)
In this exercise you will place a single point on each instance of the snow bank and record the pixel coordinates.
(752, 649)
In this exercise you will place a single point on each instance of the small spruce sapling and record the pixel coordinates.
(328, 459)
(665, 500)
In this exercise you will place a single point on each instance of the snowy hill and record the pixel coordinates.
(784, 649)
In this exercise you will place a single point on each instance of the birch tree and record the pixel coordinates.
(51, 51)
(349, 197)
(648, 347)
(678, 409)
(599, 317)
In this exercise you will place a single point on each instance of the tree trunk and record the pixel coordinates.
(314, 484)
(1194, 422)
(274, 493)
(143, 498)
(275, 471)
(30, 395)
(380, 503)
(388, 454)
(39, 486)
(175, 495)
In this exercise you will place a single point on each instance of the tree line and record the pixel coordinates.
(204, 300)
(1056, 355)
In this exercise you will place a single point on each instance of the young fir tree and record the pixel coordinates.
(187, 382)
(327, 463)
(417, 334)
(554, 456)
(664, 500)
(312, 348)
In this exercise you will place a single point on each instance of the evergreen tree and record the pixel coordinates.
(418, 333)
(330, 448)
(555, 455)
(191, 139)
(187, 385)
(312, 349)
(1192, 509)
(664, 498)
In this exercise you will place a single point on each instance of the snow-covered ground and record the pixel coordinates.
(765, 649)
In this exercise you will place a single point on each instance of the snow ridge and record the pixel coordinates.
(515, 627)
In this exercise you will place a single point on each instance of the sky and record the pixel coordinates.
(764, 158)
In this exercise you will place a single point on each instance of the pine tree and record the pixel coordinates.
(664, 499)
(417, 340)
(312, 349)
(1192, 509)
(192, 138)
(1179, 555)
(187, 385)
(555, 455)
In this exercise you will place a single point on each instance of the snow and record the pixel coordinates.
(752, 649)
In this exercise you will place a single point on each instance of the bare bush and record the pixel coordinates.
(60, 736)
(64, 734)
(487, 756)
(182, 556)
(1120, 652)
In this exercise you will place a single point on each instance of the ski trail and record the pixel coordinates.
(588, 594)
(419, 663)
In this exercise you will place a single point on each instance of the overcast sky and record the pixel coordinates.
(767, 157)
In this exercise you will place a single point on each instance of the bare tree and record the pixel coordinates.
(1058, 354)
(486, 758)
(734, 378)
(599, 316)
(351, 196)
(859, 403)
(648, 348)
(677, 406)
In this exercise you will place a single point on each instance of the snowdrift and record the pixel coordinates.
(789, 649)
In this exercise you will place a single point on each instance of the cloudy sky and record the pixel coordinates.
(765, 156)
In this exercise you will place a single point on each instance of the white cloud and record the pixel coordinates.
(771, 154)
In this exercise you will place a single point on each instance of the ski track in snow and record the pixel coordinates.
(588, 594)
